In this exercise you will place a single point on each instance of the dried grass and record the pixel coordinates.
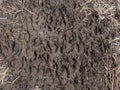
(3, 72)
(108, 9)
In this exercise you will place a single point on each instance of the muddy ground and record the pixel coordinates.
(59, 45)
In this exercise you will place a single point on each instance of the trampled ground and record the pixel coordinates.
(60, 44)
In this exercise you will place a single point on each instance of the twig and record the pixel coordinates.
(3, 18)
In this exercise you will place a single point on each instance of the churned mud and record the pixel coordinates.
(60, 45)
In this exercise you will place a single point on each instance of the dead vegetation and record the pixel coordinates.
(60, 44)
